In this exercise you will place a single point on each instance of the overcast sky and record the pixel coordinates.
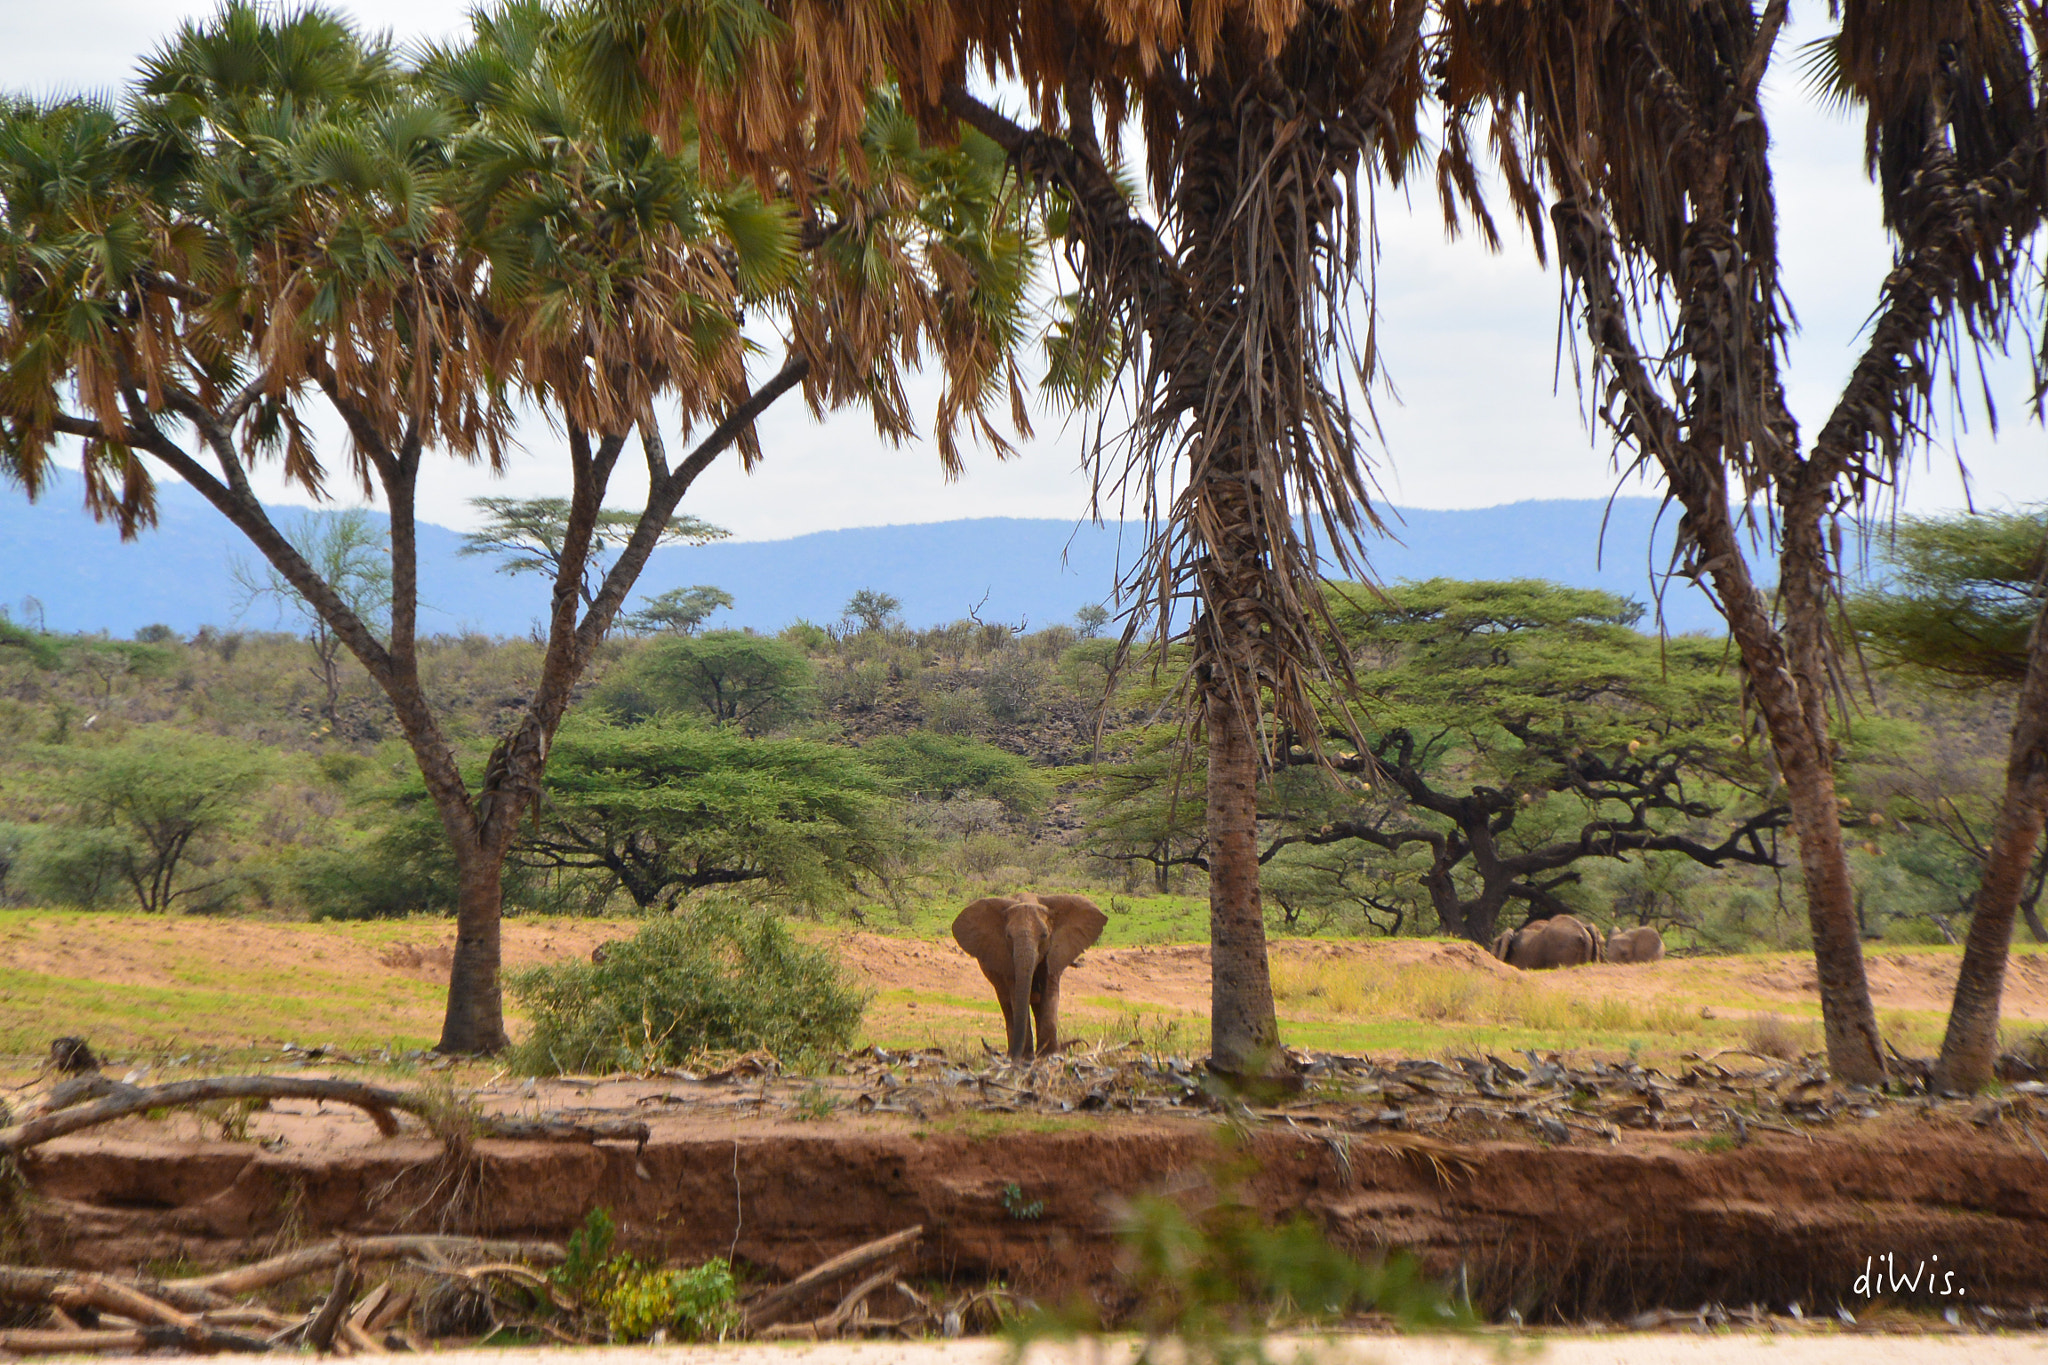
(1469, 339)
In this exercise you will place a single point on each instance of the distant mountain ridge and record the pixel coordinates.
(1038, 571)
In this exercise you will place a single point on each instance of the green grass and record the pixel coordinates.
(233, 990)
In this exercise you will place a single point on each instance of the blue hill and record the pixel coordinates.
(1039, 571)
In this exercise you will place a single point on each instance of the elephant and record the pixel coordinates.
(1023, 943)
(1560, 941)
(1642, 944)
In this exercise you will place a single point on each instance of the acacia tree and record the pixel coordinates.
(1635, 133)
(1967, 611)
(667, 807)
(531, 535)
(1516, 730)
(350, 556)
(1229, 312)
(286, 217)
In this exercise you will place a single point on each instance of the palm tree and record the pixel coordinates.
(1635, 131)
(288, 218)
(1229, 311)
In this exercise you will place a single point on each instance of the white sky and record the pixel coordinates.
(1468, 338)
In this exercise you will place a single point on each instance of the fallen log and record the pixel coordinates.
(829, 1326)
(310, 1260)
(78, 1289)
(129, 1340)
(34, 1341)
(65, 1111)
(378, 1103)
(764, 1306)
(546, 1128)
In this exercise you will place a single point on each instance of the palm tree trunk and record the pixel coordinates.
(1791, 710)
(475, 1022)
(1970, 1047)
(1244, 1033)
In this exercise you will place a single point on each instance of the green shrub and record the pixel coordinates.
(695, 1304)
(404, 868)
(937, 767)
(73, 865)
(633, 1300)
(720, 975)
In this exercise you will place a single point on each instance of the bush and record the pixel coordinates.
(72, 865)
(406, 868)
(958, 712)
(632, 1300)
(721, 975)
(1010, 688)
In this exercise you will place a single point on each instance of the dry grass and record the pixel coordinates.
(1772, 1035)
(1459, 995)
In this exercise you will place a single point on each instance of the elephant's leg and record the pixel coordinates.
(1045, 1010)
(1003, 999)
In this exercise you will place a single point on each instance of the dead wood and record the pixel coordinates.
(320, 1331)
(359, 1340)
(41, 1341)
(202, 1339)
(76, 1289)
(376, 1102)
(526, 1275)
(765, 1306)
(394, 1308)
(369, 1303)
(833, 1322)
(547, 1128)
(248, 1316)
(308, 1260)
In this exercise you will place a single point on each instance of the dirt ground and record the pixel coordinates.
(1177, 977)
(1550, 1350)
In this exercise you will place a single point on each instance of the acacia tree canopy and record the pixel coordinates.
(668, 806)
(1513, 730)
(531, 535)
(1963, 598)
(167, 793)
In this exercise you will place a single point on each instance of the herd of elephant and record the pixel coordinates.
(1568, 941)
(1026, 942)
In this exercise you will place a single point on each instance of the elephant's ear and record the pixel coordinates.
(983, 930)
(1076, 924)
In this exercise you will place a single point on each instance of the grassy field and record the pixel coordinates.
(192, 990)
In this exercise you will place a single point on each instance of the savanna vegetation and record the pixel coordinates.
(573, 209)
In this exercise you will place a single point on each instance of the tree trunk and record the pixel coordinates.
(1855, 1050)
(1970, 1047)
(1244, 1033)
(475, 1022)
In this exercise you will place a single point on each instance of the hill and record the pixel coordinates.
(1039, 571)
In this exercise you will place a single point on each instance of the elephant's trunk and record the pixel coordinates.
(1023, 968)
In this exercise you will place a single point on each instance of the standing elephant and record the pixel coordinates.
(1641, 944)
(1560, 941)
(1023, 943)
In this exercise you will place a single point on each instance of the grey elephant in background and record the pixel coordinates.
(1641, 944)
(1560, 941)
(1024, 943)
